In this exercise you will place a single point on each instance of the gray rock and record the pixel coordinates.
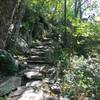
(34, 84)
(56, 89)
(9, 85)
(33, 75)
(30, 95)
(18, 92)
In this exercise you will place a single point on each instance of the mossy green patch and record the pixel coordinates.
(7, 63)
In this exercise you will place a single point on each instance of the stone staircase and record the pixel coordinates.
(38, 53)
(34, 82)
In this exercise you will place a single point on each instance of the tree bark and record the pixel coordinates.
(78, 9)
(16, 22)
(64, 37)
(6, 10)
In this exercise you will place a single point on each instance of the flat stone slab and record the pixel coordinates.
(34, 84)
(33, 75)
(30, 95)
(18, 92)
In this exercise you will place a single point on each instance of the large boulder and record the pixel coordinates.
(10, 84)
(22, 45)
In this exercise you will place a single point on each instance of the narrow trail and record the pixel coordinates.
(35, 81)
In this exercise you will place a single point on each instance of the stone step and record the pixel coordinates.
(39, 50)
(41, 44)
(33, 75)
(31, 62)
(47, 43)
(35, 58)
(41, 54)
(46, 39)
(34, 51)
(41, 47)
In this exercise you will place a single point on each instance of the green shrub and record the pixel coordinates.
(82, 76)
(7, 63)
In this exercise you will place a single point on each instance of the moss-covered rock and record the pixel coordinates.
(1, 98)
(10, 84)
(7, 63)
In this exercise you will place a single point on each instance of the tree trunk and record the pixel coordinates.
(6, 10)
(80, 9)
(16, 22)
(76, 9)
(11, 12)
(64, 37)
